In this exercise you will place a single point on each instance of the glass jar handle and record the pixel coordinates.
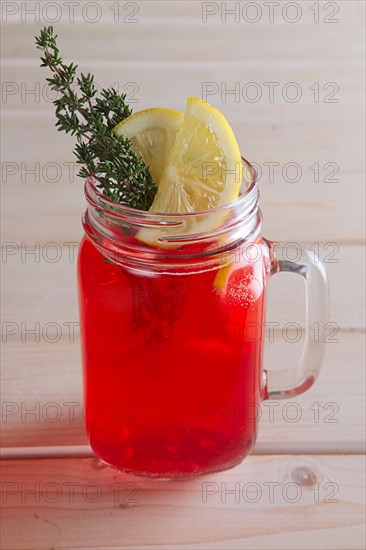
(295, 380)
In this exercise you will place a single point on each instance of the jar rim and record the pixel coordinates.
(96, 198)
(173, 242)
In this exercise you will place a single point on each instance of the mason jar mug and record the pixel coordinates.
(172, 312)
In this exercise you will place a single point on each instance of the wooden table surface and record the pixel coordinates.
(303, 487)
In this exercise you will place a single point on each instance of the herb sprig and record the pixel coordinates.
(119, 172)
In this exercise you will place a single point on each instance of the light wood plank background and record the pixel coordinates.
(165, 57)
(130, 512)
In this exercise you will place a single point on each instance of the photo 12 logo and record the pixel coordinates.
(70, 12)
(291, 412)
(271, 92)
(270, 12)
(269, 492)
(37, 92)
(54, 412)
(50, 492)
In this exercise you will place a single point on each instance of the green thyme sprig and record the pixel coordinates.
(119, 172)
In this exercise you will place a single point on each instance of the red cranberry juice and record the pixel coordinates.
(172, 365)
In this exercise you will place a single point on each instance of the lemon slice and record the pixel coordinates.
(194, 160)
(203, 169)
(152, 133)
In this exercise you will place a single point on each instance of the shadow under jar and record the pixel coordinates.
(172, 322)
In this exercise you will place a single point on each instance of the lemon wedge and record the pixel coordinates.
(152, 133)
